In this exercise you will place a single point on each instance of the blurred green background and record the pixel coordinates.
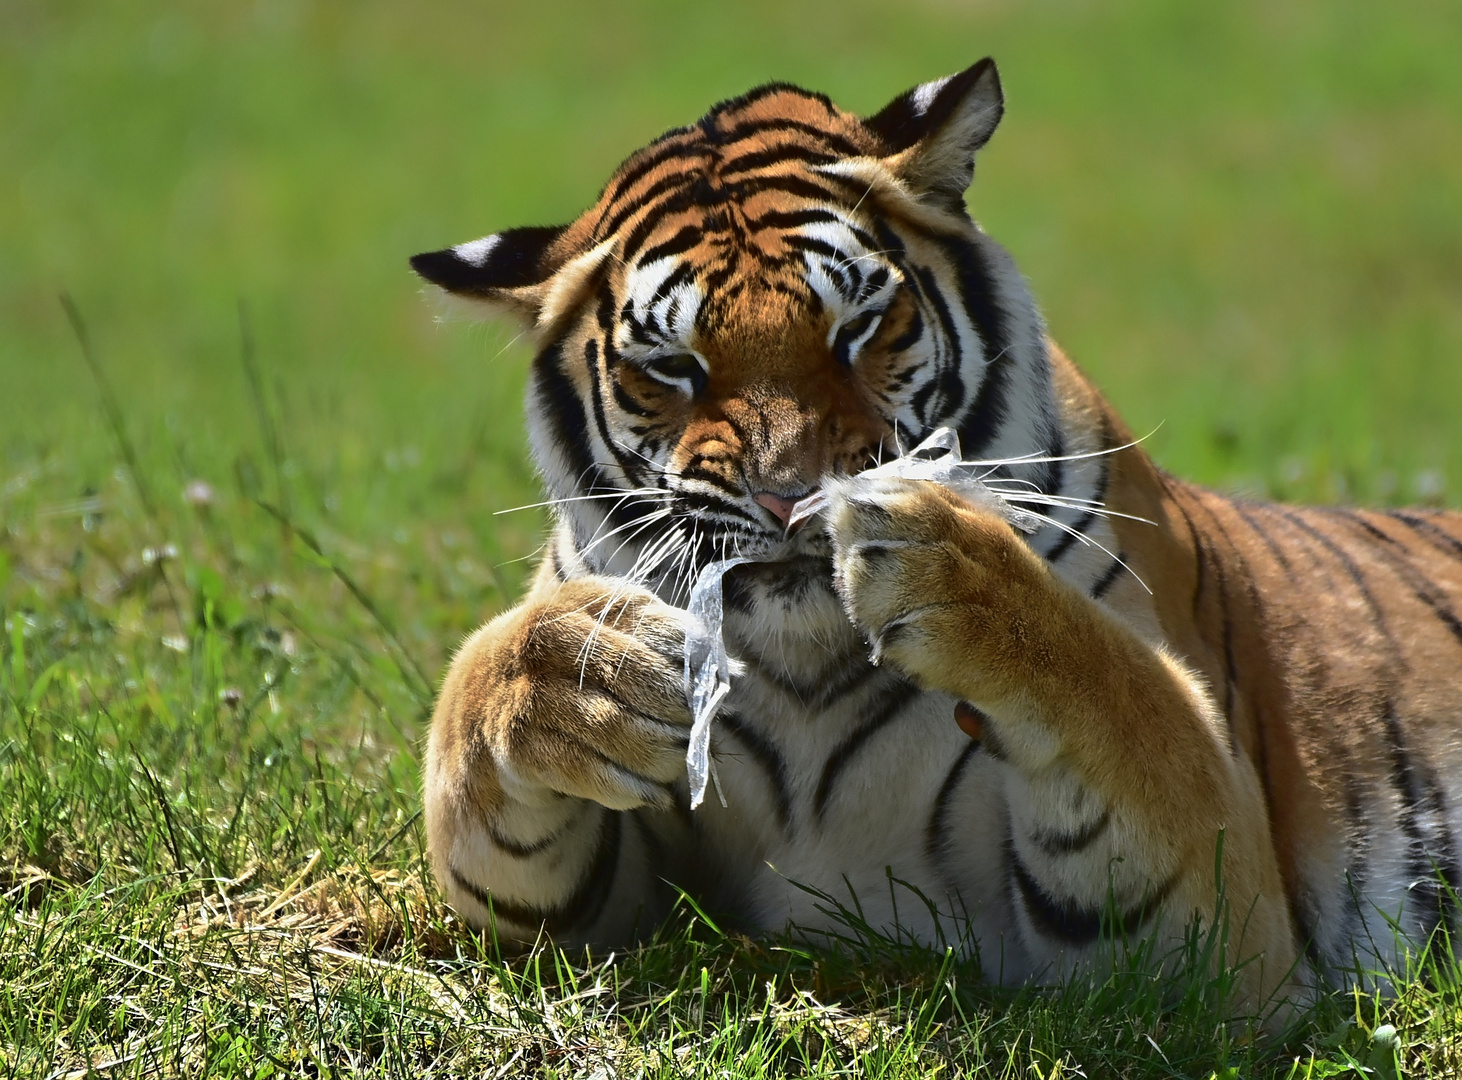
(1243, 219)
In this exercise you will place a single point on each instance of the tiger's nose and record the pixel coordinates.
(780, 505)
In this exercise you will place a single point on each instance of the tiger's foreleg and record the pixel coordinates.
(549, 783)
(1122, 778)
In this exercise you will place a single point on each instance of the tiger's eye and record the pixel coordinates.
(679, 368)
(854, 334)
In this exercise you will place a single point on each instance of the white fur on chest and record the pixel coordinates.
(850, 813)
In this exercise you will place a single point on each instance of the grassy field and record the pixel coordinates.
(248, 487)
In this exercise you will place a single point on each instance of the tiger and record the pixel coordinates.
(1163, 708)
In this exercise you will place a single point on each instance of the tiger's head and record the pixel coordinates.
(779, 292)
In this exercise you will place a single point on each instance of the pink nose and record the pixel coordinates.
(779, 505)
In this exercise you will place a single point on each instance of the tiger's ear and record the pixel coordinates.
(512, 270)
(934, 130)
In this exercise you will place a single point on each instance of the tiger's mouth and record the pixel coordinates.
(794, 569)
(785, 582)
(791, 566)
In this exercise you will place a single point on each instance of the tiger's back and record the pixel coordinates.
(1332, 640)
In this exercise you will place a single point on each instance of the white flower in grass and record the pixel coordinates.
(1429, 484)
(151, 556)
(200, 494)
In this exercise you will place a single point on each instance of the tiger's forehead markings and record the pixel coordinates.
(769, 142)
(777, 121)
(660, 310)
(834, 268)
(741, 201)
(845, 269)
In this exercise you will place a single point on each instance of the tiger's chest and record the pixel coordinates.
(853, 783)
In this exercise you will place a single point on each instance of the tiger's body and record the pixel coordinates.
(785, 292)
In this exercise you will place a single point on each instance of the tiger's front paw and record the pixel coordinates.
(579, 692)
(944, 591)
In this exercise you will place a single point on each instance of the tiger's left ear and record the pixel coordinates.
(511, 270)
(934, 130)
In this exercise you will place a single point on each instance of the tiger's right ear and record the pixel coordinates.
(512, 270)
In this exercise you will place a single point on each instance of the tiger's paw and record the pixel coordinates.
(580, 693)
(944, 591)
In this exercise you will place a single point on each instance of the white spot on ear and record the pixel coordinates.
(475, 252)
(925, 93)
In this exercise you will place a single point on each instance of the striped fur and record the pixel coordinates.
(784, 292)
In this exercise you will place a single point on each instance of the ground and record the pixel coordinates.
(250, 486)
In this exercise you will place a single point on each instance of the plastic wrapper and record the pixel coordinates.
(707, 670)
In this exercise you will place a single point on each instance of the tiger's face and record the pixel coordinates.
(778, 293)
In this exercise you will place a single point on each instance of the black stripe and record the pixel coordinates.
(887, 709)
(527, 851)
(618, 766)
(936, 841)
(690, 500)
(798, 242)
(638, 331)
(1430, 531)
(841, 188)
(716, 298)
(766, 755)
(817, 694)
(1073, 923)
(732, 106)
(1352, 570)
(977, 291)
(837, 270)
(776, 154)
(1200, 551)
(675, 182)
(833, 140)
(1069, 534)
(1424, 588)
(1058, 843)
(628, 463)
(878, 276)
(686, 238)
(1086, 520)
(793, 219)
(1360, 839)
(1107, 580)
(636, 170)
(1445, 863)
(933, 297)
(706, 476)
(1231, 671)
(629, 404)
(583, 904)
(1054, 471)
(1245, 511)
(566, 417)
(1433, 872)
(910, 337)
(951, 373)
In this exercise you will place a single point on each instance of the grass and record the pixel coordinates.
(237, 543)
